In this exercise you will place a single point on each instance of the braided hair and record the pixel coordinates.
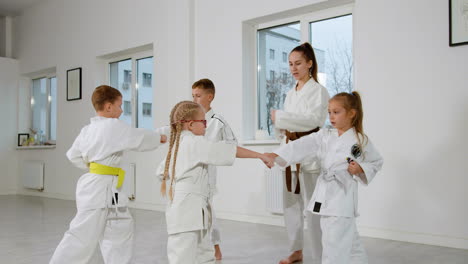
(184, 110)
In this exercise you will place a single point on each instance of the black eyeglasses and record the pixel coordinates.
(186, 121)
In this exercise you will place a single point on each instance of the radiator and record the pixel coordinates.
(274, 190)
(32, 175)
(129, 186)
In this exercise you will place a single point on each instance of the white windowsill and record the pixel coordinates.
(36, 147)
(260, 142)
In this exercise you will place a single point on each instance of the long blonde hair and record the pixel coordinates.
(184, 110)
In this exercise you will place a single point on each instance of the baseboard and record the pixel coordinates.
(275, 220)
(46, 194)
(419, 238)
(147, 206)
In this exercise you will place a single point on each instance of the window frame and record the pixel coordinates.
(304, 20)
(134, 57)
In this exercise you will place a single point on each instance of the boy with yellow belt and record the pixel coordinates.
(102, 214)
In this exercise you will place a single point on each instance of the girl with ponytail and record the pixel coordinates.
(184, 176)
(347, 157)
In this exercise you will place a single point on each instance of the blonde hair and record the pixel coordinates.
(182, 111)
(352, 101)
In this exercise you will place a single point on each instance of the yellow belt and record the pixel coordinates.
(97, 168)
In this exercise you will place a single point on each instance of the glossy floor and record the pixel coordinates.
(31, 228)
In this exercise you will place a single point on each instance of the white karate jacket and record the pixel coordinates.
(336, 189)
(103, 141)
(190, 208)
(217, 130)
(304, 110)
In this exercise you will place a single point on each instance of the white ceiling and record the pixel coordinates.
(15, 7)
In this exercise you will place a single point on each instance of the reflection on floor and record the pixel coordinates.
(31, 228)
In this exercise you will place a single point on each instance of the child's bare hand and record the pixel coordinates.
(163, 139)
(268, 160)
(354, 168)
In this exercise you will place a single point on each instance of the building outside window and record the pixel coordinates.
(146, 79)
(272, 54)
(146, 109)
(285, 57)
(121, 76)
(272, 91)
(127, 108)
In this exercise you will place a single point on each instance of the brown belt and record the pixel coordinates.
(293, 136)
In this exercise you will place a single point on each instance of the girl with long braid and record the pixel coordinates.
(188, 213)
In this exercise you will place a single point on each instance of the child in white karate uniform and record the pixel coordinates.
(188, 213)
(347, 157)
(217, 130)
(102, 215)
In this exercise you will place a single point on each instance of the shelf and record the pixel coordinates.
(36, 147)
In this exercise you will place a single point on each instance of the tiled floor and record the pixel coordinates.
(31, 228)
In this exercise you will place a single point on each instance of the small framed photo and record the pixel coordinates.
(22, 139)
(74, 84)
(458, 22)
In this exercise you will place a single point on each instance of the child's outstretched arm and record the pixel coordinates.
(250, 154)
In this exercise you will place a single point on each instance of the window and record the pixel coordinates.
(127, 108)
(330, 33)
(332, 41)
(146, 109)
(272, 75)
(272, 91)
(144, 116)
(122, 77)
(44, 107)
(272, 54)
(146, 79)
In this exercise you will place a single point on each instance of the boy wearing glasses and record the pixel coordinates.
(218, 130)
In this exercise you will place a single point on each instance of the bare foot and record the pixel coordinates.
(296, 256)
(218, 255)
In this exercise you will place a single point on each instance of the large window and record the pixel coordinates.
(137, 90)
(273, 77)
(329, 32)
(44, 108)
(332, 40)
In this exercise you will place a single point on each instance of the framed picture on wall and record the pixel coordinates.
(74, 84)
(458, 22)
(22, 139)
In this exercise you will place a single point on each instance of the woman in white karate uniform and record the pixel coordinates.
(102, 215)
(188, 213)
(217, 130)
(305, 111)
(347, 157)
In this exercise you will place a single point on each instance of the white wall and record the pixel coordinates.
(414, 88)
(69, 34)
(9, 75)
(413, 85)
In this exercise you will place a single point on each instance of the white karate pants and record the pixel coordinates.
(111, 228)
(341, 241)
(293, 206)
(192, 247)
